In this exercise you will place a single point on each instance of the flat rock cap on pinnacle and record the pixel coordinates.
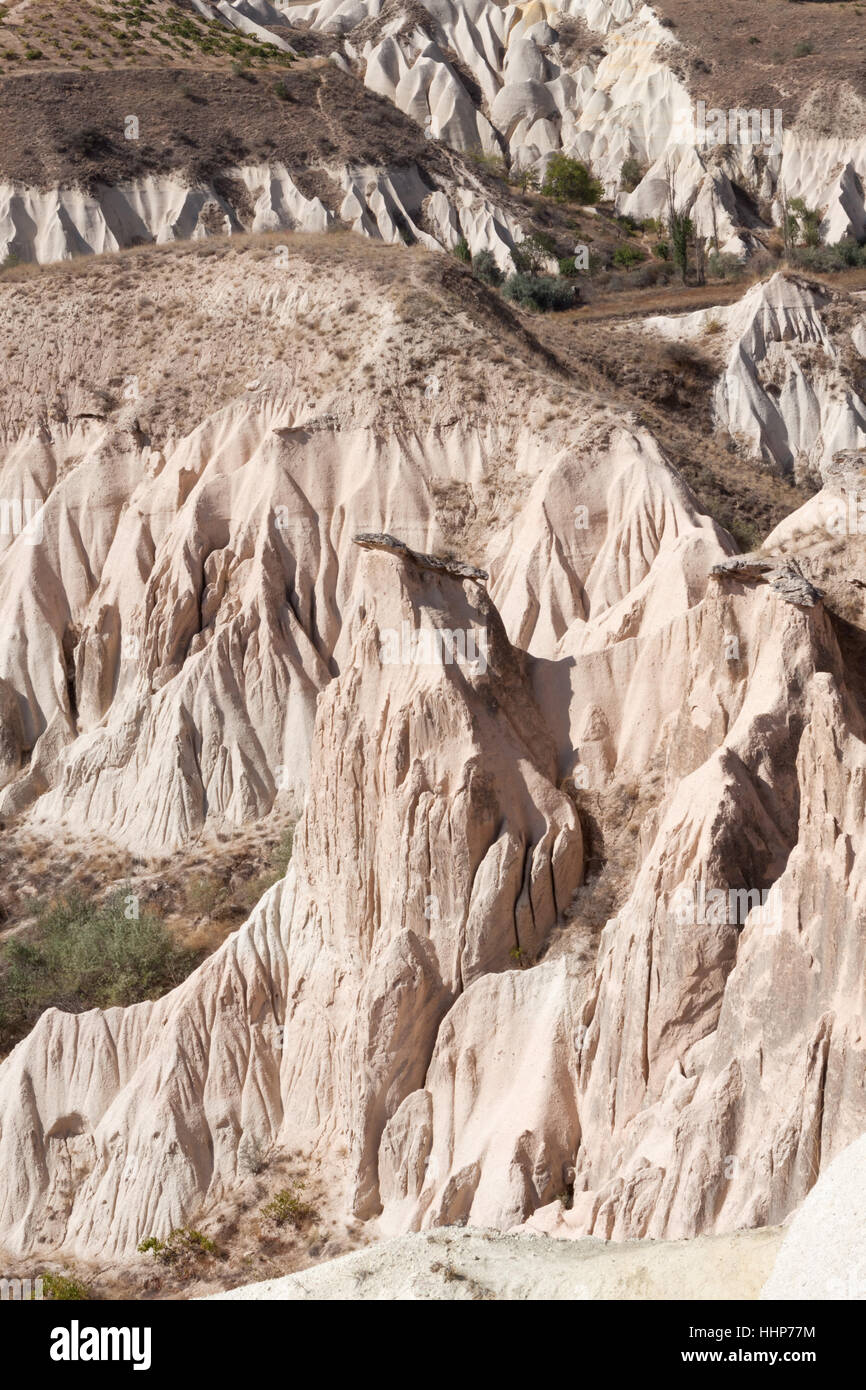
(380, 540)
(784, 575)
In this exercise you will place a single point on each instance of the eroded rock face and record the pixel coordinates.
(721, 1052)
(785, 394)
(500, 81)
(433, 992)
(435, 853)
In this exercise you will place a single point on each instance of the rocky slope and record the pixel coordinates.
(788, 394)
(468, 1266)
(599, 81)
(608, 82)
(580, 789)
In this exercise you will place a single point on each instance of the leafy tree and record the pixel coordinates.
(630, 174)
(540, 292)
(569, 181)
(807, 222)
(485, 267)
(681, 231)
(531, 255)
(528, 181)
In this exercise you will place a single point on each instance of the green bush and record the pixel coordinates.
(569, 181)
(485, 267)
(628, 256)
(531, 255)
(845, 255)
(722, 266)
(183, 1249)
(662, 251)
(630, 174)
(462, 252)
(288, 1207)
(62, 1288)
(540, 292)
(84, 955)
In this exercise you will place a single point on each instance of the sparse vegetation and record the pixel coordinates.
(532, 255)
(276, 869)
(493, 163)
(630, 174)
(64, 1288)
(569, 181)
(183, 1249)
(485, 267)
(541, 292)
(527, 181)
(252, 1154)
(844, 255)
(722, 266)
(287, 1207)
(126, 32)
(80, 955)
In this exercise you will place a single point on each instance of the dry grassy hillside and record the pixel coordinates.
(69, 127)
(807, 56)
(160, 308)
(94, 34)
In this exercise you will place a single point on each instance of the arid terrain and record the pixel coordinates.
(432, 650)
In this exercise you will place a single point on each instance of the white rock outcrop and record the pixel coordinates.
(435, 852)
(454, 1263)
(784, 397)
(433, 989)
(823, 1254)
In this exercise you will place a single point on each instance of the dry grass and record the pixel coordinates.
(95, 34)
(720, 62)
(247, 1245)
(202, 893)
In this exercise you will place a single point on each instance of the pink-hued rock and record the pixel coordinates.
(435, 853)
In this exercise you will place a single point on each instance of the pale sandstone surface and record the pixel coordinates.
(823, 1254)
(430, 992)
(468, 1264)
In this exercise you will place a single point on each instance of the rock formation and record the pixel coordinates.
(435, 853)
(491, 645)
